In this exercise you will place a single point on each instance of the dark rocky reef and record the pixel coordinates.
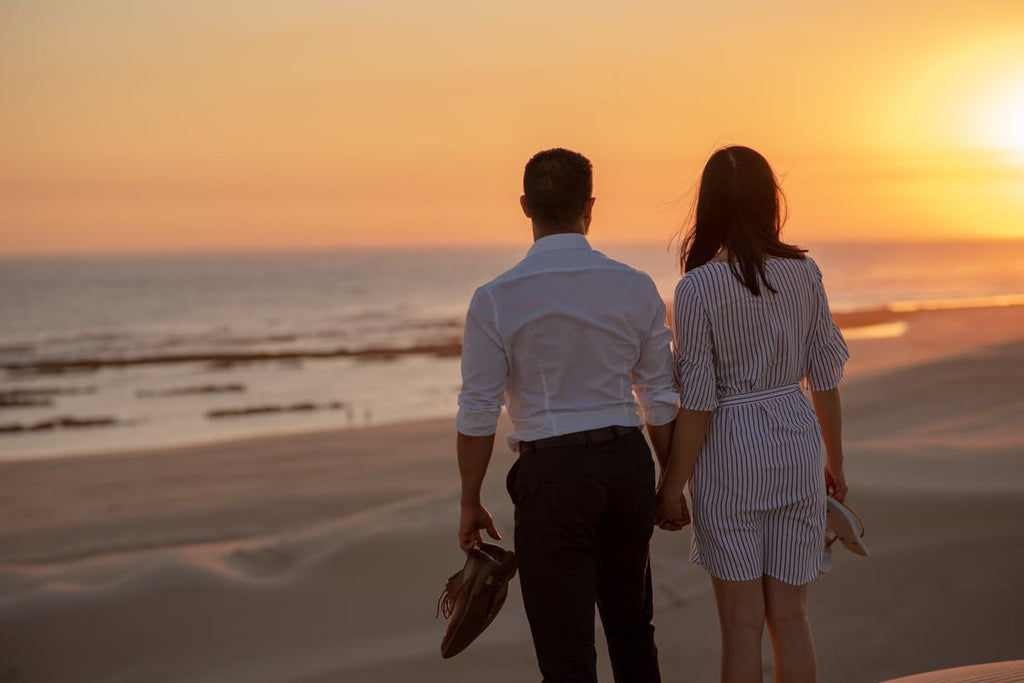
(450, 348)
(66, 422)
(189, 391)
(38, 398)
(246, 411)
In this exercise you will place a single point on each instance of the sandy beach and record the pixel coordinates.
(320, 557)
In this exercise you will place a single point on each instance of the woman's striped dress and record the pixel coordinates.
(758, 491)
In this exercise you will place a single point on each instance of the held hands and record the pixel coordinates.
(670, 511)
(471, 521)
(835, 482)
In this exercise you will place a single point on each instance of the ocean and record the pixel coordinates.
(111, 353)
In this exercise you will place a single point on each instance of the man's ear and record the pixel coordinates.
(522, 203)
(588, 213)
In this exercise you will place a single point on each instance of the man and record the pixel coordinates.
(565, 337)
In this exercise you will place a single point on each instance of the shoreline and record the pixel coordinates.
(919, 336)
(848, 318)
(891, 338)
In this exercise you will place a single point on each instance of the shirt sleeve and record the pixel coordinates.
(653, 381)
(484, 369)
(828, 352)
(695, 364)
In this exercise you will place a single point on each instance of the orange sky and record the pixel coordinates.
(185, 124)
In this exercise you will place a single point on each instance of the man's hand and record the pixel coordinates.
(471, 521)
(670, 511)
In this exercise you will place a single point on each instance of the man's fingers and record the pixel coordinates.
(469, 539)
(670, 524)
(492, 531)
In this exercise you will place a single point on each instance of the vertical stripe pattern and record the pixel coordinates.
(757, 492)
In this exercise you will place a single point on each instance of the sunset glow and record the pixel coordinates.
(229, 125)
(1002, 121)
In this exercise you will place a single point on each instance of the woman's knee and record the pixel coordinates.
(741, 604)
(784, 603)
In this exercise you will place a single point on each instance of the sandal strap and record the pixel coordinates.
(857, 517)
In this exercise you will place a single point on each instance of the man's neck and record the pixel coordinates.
(541, 231)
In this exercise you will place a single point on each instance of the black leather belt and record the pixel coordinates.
(591, 437)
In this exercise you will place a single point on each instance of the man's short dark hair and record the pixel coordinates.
(557, 184)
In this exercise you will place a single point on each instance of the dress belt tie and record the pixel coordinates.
(757, 396)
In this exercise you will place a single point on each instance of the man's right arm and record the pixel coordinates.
(484, 374)
(484, 369)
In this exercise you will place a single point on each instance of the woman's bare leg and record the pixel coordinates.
(790, 631)
(741, 613)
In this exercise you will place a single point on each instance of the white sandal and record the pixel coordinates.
(842, 524)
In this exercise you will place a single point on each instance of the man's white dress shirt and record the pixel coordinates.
(564, 338)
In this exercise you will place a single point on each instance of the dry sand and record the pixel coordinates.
(319, 557)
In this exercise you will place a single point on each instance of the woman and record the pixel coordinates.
(752, 322)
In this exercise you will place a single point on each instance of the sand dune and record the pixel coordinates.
(995, 672)
(319, 557)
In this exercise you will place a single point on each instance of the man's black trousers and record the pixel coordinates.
(584, 516)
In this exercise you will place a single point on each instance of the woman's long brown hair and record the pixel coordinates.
(740, 208)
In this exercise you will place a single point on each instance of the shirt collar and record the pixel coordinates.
(560, 240)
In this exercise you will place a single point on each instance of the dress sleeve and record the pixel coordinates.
(828, 352)
(694, 357)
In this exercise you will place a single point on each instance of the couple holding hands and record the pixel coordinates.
(571, 341)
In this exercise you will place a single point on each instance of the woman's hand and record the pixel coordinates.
(670, 510)
(835, 482)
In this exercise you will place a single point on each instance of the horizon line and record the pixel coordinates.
(446, 246)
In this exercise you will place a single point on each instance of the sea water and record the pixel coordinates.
(106, 353)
